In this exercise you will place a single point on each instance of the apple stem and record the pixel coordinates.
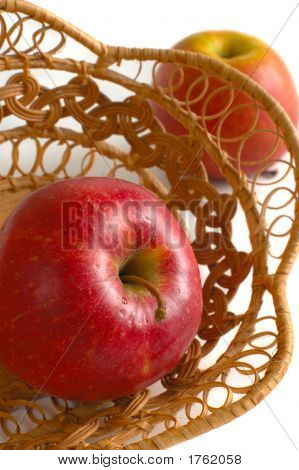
(160, 311)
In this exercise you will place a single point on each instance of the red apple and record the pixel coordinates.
(252, 57)
(100, 290)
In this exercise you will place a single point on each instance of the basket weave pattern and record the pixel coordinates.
(259, 348)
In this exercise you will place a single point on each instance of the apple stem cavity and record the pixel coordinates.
(160, 311)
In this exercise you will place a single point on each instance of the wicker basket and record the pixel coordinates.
(94, 115)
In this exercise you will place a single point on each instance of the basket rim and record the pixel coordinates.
(196, 426)
(194, 59)
(282, 358)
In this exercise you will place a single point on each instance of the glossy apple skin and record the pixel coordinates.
(69, 326)
(252, 57)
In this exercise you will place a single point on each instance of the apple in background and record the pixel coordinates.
(252, 57)
(100, 290)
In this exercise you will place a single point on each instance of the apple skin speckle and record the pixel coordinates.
(65, 328)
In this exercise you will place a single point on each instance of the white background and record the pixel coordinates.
(268, 435)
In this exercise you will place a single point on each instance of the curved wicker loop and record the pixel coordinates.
(251, 349)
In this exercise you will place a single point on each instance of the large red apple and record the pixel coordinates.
(100, 290)
(252, 57)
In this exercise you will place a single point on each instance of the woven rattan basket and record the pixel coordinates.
(71, 105)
